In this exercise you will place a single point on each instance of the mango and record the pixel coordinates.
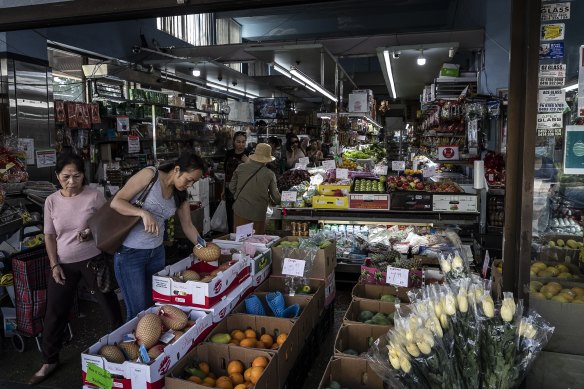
(554, 285)
(571, 243)
(538, 296)
(559, 299)
(579, 291)
(221, 338)
(554, 272)
(535, 286)
(566, 296)
(545, 274)
(565, 276)
(562, 268)
(560, 243)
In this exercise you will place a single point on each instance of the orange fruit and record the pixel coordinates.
(260, 344)
(236, 378)
(249, 333)
(247, 374)
(260, 361)
(240, 386)
(256, 373)
(209, 380)
(204, 367)
(281, 338)
(267, 339)
(223, 383)
(234, 341)
(196, 379)
(248, 342)
(237, 334)
(234, 366)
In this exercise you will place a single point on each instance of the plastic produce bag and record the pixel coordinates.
(219, 219)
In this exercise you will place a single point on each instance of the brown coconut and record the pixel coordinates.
(112, 353)
(131, 349)
(149, 330)
(208, 254)
(172, 317)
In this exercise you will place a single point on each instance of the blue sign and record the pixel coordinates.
(554, 50)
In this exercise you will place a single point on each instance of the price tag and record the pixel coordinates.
(429, 172)
(243, 232)
(398, 166)
(396, 276)
(304, 161)
(167, 337)
(128, 338)
(293, 267)
(99, 376)
(143, 354)
(200, 242)
(330, 164)
(342, 174)
(289, 195)
(381, 170)
(300, 166)
(486, 263)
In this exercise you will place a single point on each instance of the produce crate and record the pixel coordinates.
(330, 202)
(369, 201)
(357, 306)
(351, 373)
(325, 260)
(413, 201)
(278, 283)
(556, 371)
(357, 337)
(329, 190)
(374, 292)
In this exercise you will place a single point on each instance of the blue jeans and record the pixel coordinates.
(134, 269)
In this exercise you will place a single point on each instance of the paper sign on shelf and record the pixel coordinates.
(99, 376)
(304, 161)
(293, 267)
(380, 170)
(396, 276)
(398, 166)
(243, 232)
(289, 195)
(300, 166)
(342, 174)
(429, 172)
(330, 164)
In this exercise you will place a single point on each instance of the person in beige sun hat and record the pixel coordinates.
(254, 188)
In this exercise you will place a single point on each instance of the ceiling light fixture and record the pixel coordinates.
(237, 91)
(282, 70)
(217, 86)
(389, 73)
(310, 82)
(421, 59)
(196, 72)
(250, 94)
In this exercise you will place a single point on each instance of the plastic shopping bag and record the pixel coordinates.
(219, 219)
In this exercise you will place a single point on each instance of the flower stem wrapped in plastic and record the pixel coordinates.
(453, 266)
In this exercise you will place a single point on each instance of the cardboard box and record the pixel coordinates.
(368, 201)
(304, 322)
(410, 201)
(228, 241)
(218, 356)
(223, 308)
(329, 190)
(259, 262)
(354, 373)
(287, 353)
(138, 375)
(358, 102)
(374, 292)
(198, 294)
(324, 264)
(260, 277)
(454, 202)
(330, 289)
(330, 202)
(358, 337)
(556, 371)
(278, 283)
(566, 318)
(357, 306)
(9, 321)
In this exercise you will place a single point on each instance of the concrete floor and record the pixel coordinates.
(16, 368)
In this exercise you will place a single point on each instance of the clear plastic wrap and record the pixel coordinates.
(293, 283)
(454, 266)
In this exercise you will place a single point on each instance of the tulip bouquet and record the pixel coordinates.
(455, 336)
(453, 266)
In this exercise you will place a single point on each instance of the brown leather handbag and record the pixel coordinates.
(110, 228)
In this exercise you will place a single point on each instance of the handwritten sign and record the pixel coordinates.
(293, 267)
(330, 164)
(398, 166)
(380, 170)
(289, 195)
(396, 276)
(342, 174)
(304, 161)
(99, 376)
(243, 232)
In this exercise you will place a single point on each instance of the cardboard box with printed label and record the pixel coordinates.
(331, 190)
(218, 357)
(223, 308)
(454, 203)
(358, 306)
(358, 102)
(134, 375)
(374, 292)
(330, 202)
(324, 262)
(259, 261)
(167, 289)
(358, 337)
(286, 354)
(369, 201)
(354, 373)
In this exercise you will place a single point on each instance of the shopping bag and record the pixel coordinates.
(219, 219)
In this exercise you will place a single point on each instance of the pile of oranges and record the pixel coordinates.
(249, 338)
(237, 377)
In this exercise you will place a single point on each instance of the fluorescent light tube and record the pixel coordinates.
(217, 86)
(237, 91)
(282, 70)
(310, 82)
(389, 73)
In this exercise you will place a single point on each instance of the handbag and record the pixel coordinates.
(110, 228)
(104, 274)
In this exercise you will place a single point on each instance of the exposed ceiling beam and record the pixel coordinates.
(42, 14)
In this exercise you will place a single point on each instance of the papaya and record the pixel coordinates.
(221, 338)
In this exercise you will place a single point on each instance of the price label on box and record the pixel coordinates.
(304, 161)
(289, 195)
(330, 164)
(396, 276)
(293, 267)
(243, 232)
(398, 166)
(342, 174)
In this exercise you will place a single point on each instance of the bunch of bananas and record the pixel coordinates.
(6, 280)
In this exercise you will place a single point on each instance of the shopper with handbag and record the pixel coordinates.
(254, 186)
(142, 252)
(233, 158)
(71, 253)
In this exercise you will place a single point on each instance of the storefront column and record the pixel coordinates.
(523, 89)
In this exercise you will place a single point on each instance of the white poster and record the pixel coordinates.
(46, 158)
(133, 144)
(555, 11)
(551, 100)
(551, 75)
(27, 145)
(547, 121)
(552, 32)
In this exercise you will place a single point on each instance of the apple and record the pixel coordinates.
(419, 186)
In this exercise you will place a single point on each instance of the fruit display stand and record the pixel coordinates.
(218, 358)
(347, 372)
(129, 374)
(354, 340)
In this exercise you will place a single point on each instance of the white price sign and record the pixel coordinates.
(244, 231)
(328, 165)
(304, 161)
(289, 195)
(300, 166)
(380, 170)
(342, 174)
(398, 166)
(429, 172)
(293, 267)
(396, 276)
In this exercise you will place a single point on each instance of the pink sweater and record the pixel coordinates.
(66, 216)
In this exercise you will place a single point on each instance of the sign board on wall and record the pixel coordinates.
(555, 11)
(552, 75)
(551, 100)
(552, 50)
(552, 32)
(550, 120)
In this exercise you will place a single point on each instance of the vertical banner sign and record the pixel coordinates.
(574, 150)
(581, 83)
(552, 75)
(551, 100)
(552, 32)
(555, 11)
